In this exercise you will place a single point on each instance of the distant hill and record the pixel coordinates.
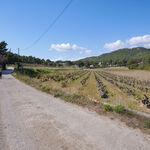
(119, 55)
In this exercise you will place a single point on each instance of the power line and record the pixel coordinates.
(50, 26)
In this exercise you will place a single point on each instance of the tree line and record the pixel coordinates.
(7, 57)
(124, 57)
(132, 58)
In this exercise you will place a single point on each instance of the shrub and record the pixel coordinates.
(72, 97)
(147, 125)
(107, 107)
(58, 94)
(119, 109)
(75, 98)
(43, 71)
(45, 89)
(133, 66)
(28, 71)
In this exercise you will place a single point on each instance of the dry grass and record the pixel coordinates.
(82, 96)
(123, 98)
(90, 90)
(138, 74)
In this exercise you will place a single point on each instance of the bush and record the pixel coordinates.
(29, 72)
(107, 107)
(45, 89)
(133, 66)
(147, 125)
(58, 95)
(75, 98)
(119, 109)
(43, 71)
(72, 97)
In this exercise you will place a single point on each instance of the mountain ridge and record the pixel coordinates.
(120, 54)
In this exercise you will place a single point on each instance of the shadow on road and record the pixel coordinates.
(8, 71)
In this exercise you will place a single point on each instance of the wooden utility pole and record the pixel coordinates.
(18, 51)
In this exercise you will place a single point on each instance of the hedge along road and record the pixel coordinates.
(33, 120)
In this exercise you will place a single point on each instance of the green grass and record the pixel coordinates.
(45, 89)
(58, 95)
(107, 107)
(27, 71)
(147, 125)
(119, 109)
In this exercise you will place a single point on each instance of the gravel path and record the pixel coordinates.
(36, 121)
(3, 140)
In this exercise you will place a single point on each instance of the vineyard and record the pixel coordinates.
(99, 85)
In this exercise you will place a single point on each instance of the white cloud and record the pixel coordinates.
(147, 45)
(68, 47)
(139, 40)
(136, 41)
(115, 45)
(88, 51)
(64, 47)
(64, 58)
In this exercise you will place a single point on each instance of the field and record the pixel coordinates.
(114, 86)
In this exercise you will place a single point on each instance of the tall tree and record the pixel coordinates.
(3, 50)
(3, 47)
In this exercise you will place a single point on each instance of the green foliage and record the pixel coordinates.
(107, 107)
(13, 58)
(45, 89)
(3, 49)
(68, 63)
(120, 57)
(119, 109)
(79, 63)
(75, 98)
(58, 94)
(147, 125)
(29, 72)
(133, 66)
(3, 46)
(140, 67)
(44, 71)
(111, 94)
(146, 67)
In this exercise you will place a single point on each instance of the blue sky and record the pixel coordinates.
(87, 28)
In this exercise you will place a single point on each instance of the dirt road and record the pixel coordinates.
(32, 120)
